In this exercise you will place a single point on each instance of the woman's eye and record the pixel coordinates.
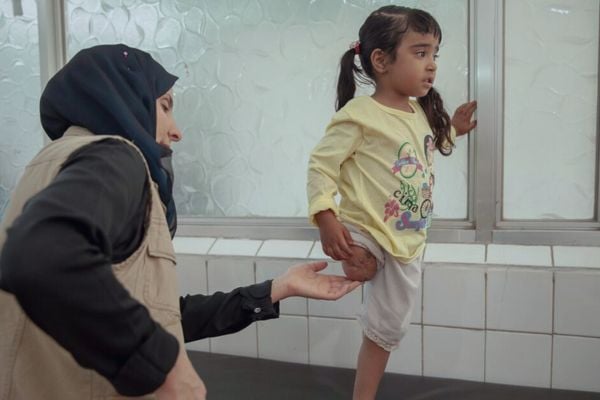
(421, 54)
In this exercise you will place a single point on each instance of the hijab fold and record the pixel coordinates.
(112, 90)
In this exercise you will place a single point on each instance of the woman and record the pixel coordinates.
(87, 263)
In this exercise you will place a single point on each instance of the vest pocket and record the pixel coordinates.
(161, 291)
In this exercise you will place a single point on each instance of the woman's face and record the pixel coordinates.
(166, 128)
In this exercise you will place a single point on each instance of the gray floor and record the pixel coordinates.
(241, 378)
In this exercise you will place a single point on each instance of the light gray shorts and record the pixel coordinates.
(390, 296)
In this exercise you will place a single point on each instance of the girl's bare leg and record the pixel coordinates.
(372, 360)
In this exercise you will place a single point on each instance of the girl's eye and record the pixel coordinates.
(421, 54)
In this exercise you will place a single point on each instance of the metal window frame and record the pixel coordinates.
(530, 231)
(484, 222)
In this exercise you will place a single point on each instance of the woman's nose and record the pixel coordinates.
(175, 134)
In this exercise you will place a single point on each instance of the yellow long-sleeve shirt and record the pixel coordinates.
(381, 161)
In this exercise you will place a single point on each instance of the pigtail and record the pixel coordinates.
(438, 119)
(346, 86)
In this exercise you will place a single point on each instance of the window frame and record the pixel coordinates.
(484, 222)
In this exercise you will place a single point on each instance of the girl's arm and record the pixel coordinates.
(342, 138)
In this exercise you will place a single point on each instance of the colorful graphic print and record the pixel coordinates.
(411, 206)
(429, 148)
(406, 223)
(407, 163)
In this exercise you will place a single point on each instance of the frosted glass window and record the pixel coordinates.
(20, 130)
(257, 88)
(551, 109)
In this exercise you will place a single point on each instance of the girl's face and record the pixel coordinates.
(166, 128)
(412, 73)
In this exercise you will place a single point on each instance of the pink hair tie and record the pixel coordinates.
(356, 46)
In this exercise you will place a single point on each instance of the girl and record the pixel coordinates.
(377, 152)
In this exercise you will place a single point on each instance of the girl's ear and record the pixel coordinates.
(379, 61)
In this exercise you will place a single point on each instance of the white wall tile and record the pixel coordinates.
(191, 273)
(285, 248)
(577, 303)
(576, 256)
(455, 253)
(407, 358)
(285, 339)
(505, 254)
(576, 363)
(519, 299)
(225, 274)
(417, 312)
(198, 345)
(454, 296)
(269, 269)
(242, 343)
(235, 247)
(192, 245)
(453, 353)
(518, 359)
(334, 342)
(346, 307)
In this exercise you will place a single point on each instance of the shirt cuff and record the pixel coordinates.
(319, 205)
(147, 369)
(257, 301)
(452, 133)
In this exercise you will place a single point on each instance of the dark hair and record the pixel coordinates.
(384, 29)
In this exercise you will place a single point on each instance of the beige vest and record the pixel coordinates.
(32, 365)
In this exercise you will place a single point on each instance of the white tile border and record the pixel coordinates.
(455, 253)
(235, 247)
(285, 248)
(192, 245)
(450, 253)
(317, 252)
(507, 254)
(577, 256)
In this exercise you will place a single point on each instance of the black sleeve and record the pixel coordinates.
(223, 313)
(57, 261)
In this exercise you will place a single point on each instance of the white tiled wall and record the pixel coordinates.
(295, 346)
(520, 315)
(518, 358)
(454, 296)
(453, 353)
(407, 359)
(519, 299)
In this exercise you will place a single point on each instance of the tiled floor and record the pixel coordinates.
(240, 378)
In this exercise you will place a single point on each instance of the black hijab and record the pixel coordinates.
(112, 89)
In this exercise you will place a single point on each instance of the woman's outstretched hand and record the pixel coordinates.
(304, 280)
(461, 120)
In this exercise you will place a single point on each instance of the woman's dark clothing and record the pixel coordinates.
(68, 237)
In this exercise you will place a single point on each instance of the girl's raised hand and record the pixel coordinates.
(461, 120)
